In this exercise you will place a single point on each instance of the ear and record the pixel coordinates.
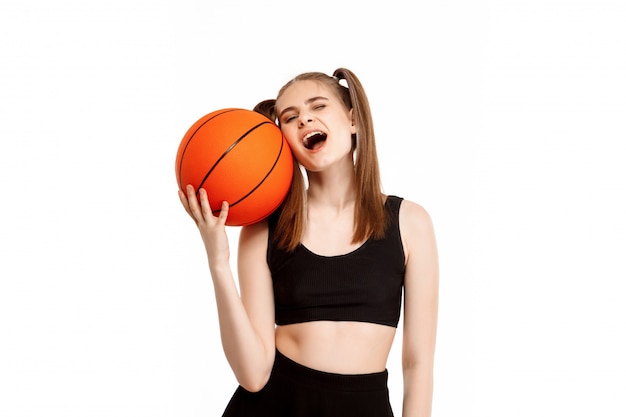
(353, 125)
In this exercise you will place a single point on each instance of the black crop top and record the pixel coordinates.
(364, 285)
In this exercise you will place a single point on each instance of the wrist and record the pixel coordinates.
(219, 268)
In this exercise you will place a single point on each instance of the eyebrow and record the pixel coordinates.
(309, 101)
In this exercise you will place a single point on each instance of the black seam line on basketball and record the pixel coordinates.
(280, 152)
(230, 148)
(182, 156)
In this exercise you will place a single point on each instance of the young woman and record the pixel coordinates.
(322, 280)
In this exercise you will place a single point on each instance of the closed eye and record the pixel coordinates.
(289, 118)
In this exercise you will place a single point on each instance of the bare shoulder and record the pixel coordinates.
(254, 274)
(252, 250)
(416, 227)
(414, 217)
(254, 234)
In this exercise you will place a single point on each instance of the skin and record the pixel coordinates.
(249, 336)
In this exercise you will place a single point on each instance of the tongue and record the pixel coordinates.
(315, 142)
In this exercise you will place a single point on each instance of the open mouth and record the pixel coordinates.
(313, 140)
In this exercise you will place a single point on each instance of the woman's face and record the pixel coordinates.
(316, 124)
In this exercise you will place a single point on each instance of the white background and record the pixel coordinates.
(505, 119)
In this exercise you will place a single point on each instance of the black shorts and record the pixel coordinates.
(294, 390)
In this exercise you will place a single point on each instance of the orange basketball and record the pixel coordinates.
(238, 156)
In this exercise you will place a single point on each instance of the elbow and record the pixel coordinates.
(251, 368)
(414, 362)
(255, 378)
(252, 371)
(254, 383)
(418, 368)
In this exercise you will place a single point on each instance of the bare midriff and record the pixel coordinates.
(337, 347)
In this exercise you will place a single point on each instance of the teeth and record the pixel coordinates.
(308, 135)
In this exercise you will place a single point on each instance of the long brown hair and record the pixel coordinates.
(369, 212)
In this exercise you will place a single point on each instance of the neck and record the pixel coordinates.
(335, 190)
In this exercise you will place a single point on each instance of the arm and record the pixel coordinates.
(420, 309)
(247, 321)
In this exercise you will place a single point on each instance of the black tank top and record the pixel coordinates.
(364, 285)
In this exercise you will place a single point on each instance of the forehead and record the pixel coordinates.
(300, 91)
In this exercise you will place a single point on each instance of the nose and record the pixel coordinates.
(304, 119)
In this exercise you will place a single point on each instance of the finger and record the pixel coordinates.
(204, 204)
(223, 212)
(184, 201)
(194, 205)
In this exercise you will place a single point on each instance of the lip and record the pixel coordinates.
(313, 140)
(308, 132)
